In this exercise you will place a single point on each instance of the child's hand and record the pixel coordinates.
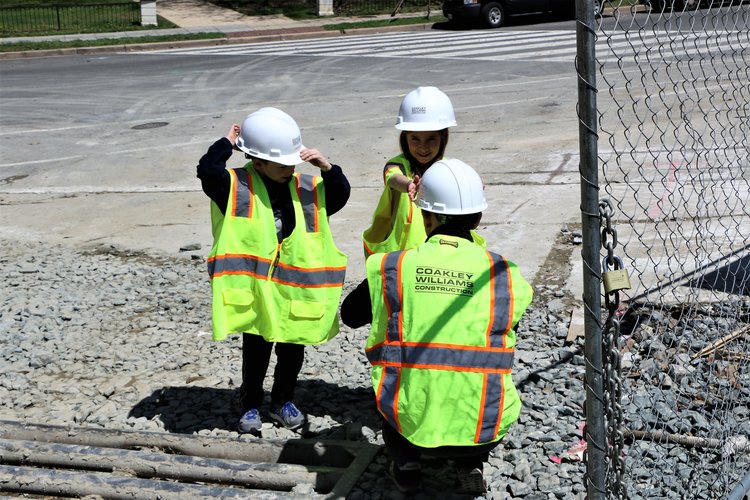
(233, 134)
(316, 158)
(413, 188)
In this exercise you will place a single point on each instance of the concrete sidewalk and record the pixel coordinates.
(200, 16)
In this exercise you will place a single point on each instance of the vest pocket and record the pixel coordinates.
(305, 309)
(242, 311)
(307, 322)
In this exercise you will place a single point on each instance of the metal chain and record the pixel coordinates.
(611, 362)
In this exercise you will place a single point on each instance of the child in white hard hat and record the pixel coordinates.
(273, 261)
(424, 117)
(443, 321)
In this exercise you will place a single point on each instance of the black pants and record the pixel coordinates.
(402, 450)
(256, 354)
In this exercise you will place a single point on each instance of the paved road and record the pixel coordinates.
(102, 149)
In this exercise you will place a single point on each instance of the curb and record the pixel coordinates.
(234, 38)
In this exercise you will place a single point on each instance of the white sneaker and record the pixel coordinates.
(288, 415)
(250, 422)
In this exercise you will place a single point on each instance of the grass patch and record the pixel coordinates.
(377, 23)
(26, 46)
(296, 9)
(41, 18)
(45, 3)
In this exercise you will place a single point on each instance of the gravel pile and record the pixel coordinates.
(686, 380)
(107, 338)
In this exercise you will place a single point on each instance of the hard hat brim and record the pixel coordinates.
(423, 127)
(442, 209)
(288, 160)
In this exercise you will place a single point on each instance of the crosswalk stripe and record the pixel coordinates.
(371, 45)
(548, 46)
(547, 53)
(649, 46)
(505, 47)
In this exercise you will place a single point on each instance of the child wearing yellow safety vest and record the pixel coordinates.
(443, 335)
(276, 273)
(424, 117)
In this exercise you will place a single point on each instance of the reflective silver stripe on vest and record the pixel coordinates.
(319, 277)
(391, 279)
(503, 293)
(242, 194)
(389, 383)
(388, 394)
(492, 411)
(457, 357)
(307, 199)
(245, 264)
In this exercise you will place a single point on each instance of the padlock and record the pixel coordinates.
(616, 279)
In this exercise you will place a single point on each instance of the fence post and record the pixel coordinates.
(325, 8)
(596, 457)
(148, 13)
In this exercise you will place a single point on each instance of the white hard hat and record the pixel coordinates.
(451, 187)
(276, 112)
(270, 134)
(425, 108)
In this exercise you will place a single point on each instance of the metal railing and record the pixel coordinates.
(69, 18)
(370, 7)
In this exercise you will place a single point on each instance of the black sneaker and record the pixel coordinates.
(472, 481)
(407, 477)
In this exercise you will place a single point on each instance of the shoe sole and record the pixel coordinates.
(249, 431)
(280, 421)
(254, 432)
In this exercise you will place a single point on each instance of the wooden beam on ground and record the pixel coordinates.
(147, 464)
(39, 481)
(718, 344)
(296, 451)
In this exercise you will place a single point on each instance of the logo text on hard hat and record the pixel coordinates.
(296, 141)
(418, 110)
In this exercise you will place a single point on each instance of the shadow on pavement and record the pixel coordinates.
(189, 409)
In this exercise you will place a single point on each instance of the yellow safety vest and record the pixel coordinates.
(287, 292)
(442, 341)
(397, 223)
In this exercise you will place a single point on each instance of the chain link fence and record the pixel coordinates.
(664, 103)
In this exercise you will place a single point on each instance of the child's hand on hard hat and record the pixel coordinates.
(316, 158)
(413, 188)
(233, 134)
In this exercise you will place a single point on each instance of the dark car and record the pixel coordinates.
(493, 13)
